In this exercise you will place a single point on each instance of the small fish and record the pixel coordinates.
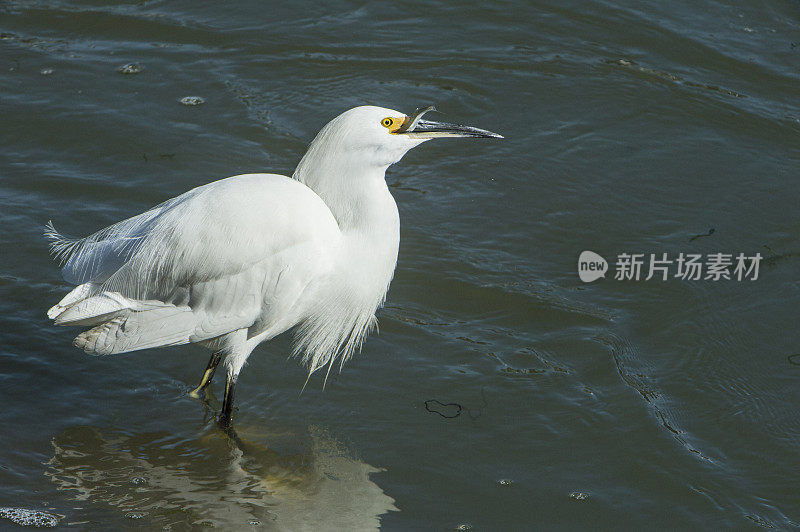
(413, 120)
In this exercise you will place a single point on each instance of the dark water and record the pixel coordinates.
(631, 127)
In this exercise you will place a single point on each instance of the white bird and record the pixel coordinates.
(236, 262)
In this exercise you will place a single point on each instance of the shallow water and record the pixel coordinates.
(501, 392)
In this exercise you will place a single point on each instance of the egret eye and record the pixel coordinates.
(387, 122)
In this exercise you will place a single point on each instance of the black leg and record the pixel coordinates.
(227, 403)
(216, 357)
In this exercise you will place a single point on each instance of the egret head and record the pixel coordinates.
(380, 137)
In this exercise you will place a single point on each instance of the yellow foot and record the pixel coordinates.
(197, 393)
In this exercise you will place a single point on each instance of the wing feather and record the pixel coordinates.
(213, 253)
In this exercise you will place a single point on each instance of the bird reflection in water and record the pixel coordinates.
(220, 480)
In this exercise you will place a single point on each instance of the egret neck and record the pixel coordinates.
(349, 176)
(352, 184)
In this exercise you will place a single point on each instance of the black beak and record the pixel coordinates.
(427, 129)
(417, 128)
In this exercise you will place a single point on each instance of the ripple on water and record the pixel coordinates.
(635, 373)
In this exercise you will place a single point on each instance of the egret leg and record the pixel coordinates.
(216, 357)
(227, 402)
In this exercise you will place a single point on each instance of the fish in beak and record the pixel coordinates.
(416, 128)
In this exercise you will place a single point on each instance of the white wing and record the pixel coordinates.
(234, 254)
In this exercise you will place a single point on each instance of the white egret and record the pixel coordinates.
(234, 263)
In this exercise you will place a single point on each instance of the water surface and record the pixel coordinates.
(631, 127)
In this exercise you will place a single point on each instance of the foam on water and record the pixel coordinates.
(25, 517)
(130, 68)
(193, 100)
